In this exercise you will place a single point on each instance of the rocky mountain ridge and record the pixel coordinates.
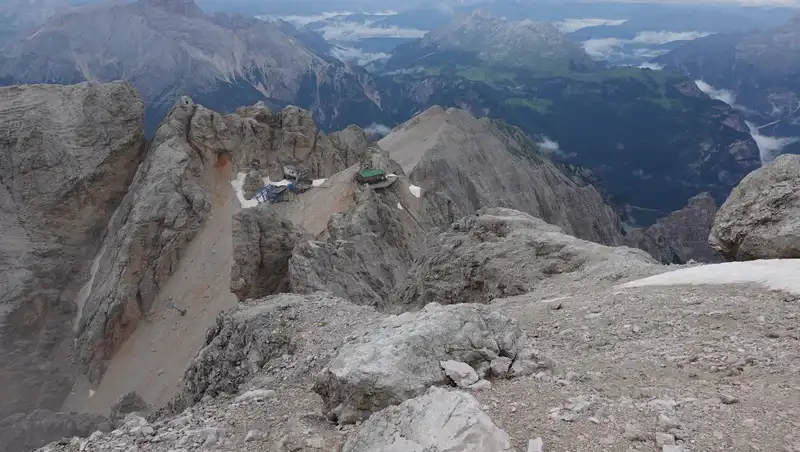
(492, 40)
(478, 294)
(760, 68)
(170, 48)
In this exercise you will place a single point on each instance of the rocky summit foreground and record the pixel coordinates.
(406, 316)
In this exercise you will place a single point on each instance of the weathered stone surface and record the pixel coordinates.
(369, 248)
(761, 217)
(484, 163)
(24, 432)
(253, 182)
(186, 175)
(127, 404)
(462, 374)
(67, 155)
(682, 236)
(243, 340)
(501, 253)
(402, 358)
(164, 208)
(438, 420)
(262, 246)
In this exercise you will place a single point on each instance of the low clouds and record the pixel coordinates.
(571, 25)
(768, 147)
(727, 96)
(377, 131)
(651, 66)
(357, 56)
(552, 148)
(349, 31)
(606, 47)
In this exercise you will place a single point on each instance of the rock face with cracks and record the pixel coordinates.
(761, 217)
(243, 340)
(682, 236)
(67, 155)
(24, 432)
(370, 247)
(262, 246)
(485, 163)
(193, 157)
(438, 420)
(500, 253)
(402, 358)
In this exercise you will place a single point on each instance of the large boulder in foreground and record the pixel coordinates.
(438, 420)
(247, 337)
(67, 155)
(403, 357)
(501, 253)
(761, 217)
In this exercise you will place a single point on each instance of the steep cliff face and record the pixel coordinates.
(183, 184)
(761, 217)
(682, 236)
(67, 156)
(484, 163)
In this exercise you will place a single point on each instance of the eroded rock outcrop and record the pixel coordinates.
(370, 247)
(67, 155)
(401, 358)
(27, 431)
(183, 183)
(263, 243)
(682, 236)
(500, 253)
(438, 420)
(761, 217)
(484, 163)
(249, 336)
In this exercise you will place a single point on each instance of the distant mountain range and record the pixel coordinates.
(759, 69)
(651, 140)
(167, 48)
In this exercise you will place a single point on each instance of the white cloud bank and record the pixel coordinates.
(357, 56)
(603, 48)
(768, 147)
(345, 30)
(377, 130)
(727, 96)
(571, 25)
(651, 66)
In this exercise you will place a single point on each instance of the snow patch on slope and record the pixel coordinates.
(774, 274)
(416, 191)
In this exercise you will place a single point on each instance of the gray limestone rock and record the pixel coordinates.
(761, 217)
(438, 420)
(262, 246)
(370, 247)
(67, 155)
(253, 182)
(402, 358)
(25, 432)
(241, 342)
(127, 404)
(500, 253)
(484, 163)
(682, 236)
